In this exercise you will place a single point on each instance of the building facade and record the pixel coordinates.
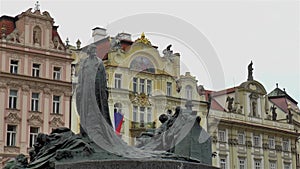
(143, 84)
(35, 81)
(253, 129)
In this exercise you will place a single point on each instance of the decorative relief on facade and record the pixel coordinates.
(233, 142)
(14, 150)
(13, 118)
(248, 144)
(278, 147)
(14, 36)
(140, 99)
(25, 89)
(142, 63)
(15, 56)
(14, 84)
(265, 146)
(214, 139)
(68, 93)
(35, 120)
(293, 150)
(3, 86)
(56, 122)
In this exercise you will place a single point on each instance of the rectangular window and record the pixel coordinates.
(142, 114)
(273, 165)
(287, 166)
(285, 145)
(169, 89)
(223, 163)
(257, 164)
(241, 138)
(118, 80)
(134, 84)
(11, 135)
(56, 73)
(36, 70)
(35, 102)
(149, 114)
(56, 102)
(14, 66)
(242, 163)
(222, 135)
(256, 141)
(271, 142)
(142, 85)
(13, 95)
(134, 113)
(149, 87)
(33, 135)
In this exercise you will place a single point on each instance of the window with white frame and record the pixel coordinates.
(149, 87)
(34, 131)
(56, 104)
(134, 113)
(142, 85)
(188, 92)
(11, 135)
(223, 163)
(242, 163)
(118, 81)
(118, 107)
(271, 142)
(35, 102)
(222, 135)
(241, 138)
(14, 66)
(273, 165)
(12, 101)
(285, 144)
(256, 140)
(149, 115)
(134, 84)
(287, 166)
(56, 73)
(36, 70)
(169, 89)
(142, 114)
(257, 164)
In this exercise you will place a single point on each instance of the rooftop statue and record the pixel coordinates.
(250, 71)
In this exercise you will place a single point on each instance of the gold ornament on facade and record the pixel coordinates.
(140, 99)
(143, 40)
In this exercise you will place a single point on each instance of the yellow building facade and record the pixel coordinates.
(143, 84)
(253, 129)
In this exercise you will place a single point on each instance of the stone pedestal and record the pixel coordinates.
(132, 164)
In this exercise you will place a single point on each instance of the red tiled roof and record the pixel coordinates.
(282, 103)
(216, 106)
(7, 22)
(55, 33)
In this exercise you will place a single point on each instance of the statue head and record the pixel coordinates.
(92, 50)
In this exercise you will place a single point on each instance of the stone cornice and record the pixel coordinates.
(33, 51)
(29, 80)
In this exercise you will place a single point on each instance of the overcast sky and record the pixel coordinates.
(266, 32)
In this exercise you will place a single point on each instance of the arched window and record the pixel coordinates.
(188, 92)
(142, 63)
(37, 35)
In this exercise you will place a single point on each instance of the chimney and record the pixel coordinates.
(99, 33)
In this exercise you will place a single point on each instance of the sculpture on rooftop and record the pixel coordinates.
(250, 71)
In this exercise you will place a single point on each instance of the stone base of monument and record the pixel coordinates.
(132, 164)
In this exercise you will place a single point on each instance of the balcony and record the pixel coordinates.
(137, 128)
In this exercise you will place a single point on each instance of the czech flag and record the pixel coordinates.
(118, 121)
